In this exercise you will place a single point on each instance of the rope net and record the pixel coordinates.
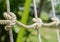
(11, 21)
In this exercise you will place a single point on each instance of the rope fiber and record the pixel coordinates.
(38, 23)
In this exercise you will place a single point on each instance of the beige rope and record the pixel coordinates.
(9, 26)
(37, 21)
(37, 26)
(26, 26)
(5, 22)
(11, 21)
(53, 9)
(11, 17)
(57, 23)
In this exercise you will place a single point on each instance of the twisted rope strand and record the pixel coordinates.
(53, 9)
(48, 24)
(26, 26)
(7, 16)
(57, 31)
(8, 11)
(8, 6)
(58, 36)
(11, 20)
(35, 10)
(5, 22)
(39, 21)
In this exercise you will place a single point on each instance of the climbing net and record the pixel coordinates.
(38, 23)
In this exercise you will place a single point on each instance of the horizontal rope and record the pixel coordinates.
(38, 21)
(5, 22)
(11, 21)
(26, 26)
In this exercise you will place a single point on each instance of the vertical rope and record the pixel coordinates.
(8, 11)
(57, 31)
(39, 36)
(11, 35)
(35, 11)
(53, 9)
(8, 6)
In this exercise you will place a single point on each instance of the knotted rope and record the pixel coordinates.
(11, 21)
(57, 31)
(9, 26)
(36, 17)
(37, 21)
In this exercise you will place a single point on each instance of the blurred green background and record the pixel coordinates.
(24, 11)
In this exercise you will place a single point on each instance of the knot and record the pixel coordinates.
(38, 22)
(12, 18)
(56, 20)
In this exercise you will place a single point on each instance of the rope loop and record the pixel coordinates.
(12, 18)
(38, 21)
(56, 20)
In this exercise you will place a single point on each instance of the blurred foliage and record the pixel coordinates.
(58, 9)
(45, 17)
(47, 6)
(28, 35)
(24, 21)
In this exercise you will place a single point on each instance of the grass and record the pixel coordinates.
(47, 35)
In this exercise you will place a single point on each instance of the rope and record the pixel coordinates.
(35, 10)
(26, 26)
(37, 21)
(11, 21)
(10, 31)
(5, 21)
(8, 6)
(57, 31)
(53, 9)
